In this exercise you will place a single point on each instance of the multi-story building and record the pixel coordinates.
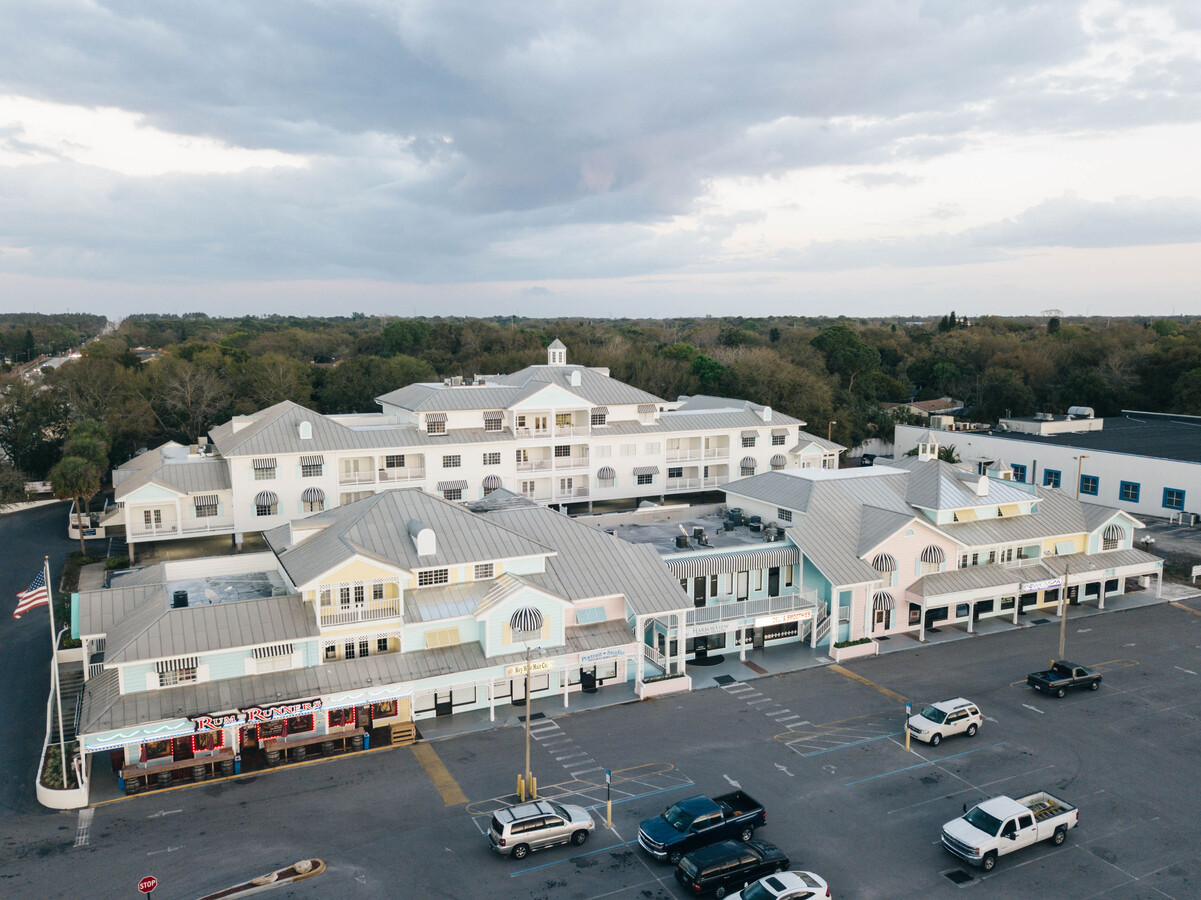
(557, 434)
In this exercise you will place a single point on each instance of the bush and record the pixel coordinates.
(862, 640)
(52, 771)
(116, 562)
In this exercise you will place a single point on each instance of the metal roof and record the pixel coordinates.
(186, 475)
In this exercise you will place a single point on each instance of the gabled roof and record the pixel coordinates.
(189, 476)
(378, 527)
(1057, 514)
(935, 484)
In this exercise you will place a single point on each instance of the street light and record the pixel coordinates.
(526, 623)
(830, 429)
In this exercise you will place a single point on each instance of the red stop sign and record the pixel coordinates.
(147, 884)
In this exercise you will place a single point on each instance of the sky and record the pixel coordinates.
(859, 157)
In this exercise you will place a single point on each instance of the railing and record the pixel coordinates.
(570, 430)
(528, 433)
(690, 453)
(571, 493)
(1021, 561)
(534, 465)
(683, 484)
(717, 453)
(715, 481)
(94, 670)
(538, 496)
(356, 477)
(363, 612)
(745, 609)
(208, 523)
(153, 531)
(654, 657)
(401, 474)
(823, 628)
(571, 462)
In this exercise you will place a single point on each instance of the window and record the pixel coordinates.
(1089, 484)
(394, 461)
(646, 479)
(521, 421)
(1129, 491)
(311, 470)
(748, 440)
(359, 595)
(673, 444)
(746, 470)
(484, 570)
(177, 676)
(712, 585)
(206, 506)
(341, 718)
(563, 420)
(1051, 478)
(152, 518)
(264, 470)
(494, 424)
(344, 596)
(377, 592)
(442, 637)
(784, 515)
(492, 459)
(1173, 498)
(364, 648)
(675, 471)
(435, 427)
(331, 652)
(452, 462)
(562, 451)
(1019, 472)
(652, 449)
(433, 576)
(381, 645)
(629, 449)
(777, 440)
(598, 418)
(349, 650)
(265, 509)
(452, 494)
(604, 450)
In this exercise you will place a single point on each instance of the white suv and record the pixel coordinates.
(516, 830)
(945, 718)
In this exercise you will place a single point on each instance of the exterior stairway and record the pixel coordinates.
(70, 676)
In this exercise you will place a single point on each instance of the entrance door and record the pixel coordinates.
(517, 691)
(773, 581)
(698, 591)
(744, 585)
(881, 623)
(442, 703)
(588, 680)
(757, 638)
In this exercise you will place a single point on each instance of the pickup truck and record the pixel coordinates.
(1063, 675)
(700, 821)
(1002, 825)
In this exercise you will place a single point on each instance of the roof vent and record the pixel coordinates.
(1080, 412)
(423, 537)
(766, 414)
(306, 430)
(575, 377)
(237, 423)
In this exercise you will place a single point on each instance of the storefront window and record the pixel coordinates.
(207, 740)
(788, 629)
(271, 729)
(345, 718)
(156, 750)
(383, 710)
(915, 614)
(300, 724)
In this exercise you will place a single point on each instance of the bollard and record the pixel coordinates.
(520, 789)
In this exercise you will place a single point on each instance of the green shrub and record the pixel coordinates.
(862, 640)
(116, 562)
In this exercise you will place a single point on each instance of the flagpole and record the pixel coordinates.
(58, 694)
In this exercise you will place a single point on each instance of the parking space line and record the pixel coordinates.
(930, 762)
(867, 682)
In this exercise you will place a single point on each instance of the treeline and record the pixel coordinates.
(820, 370)
(26, 336)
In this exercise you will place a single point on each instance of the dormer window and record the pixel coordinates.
(494, 420)
(435, 423)
(264, 469)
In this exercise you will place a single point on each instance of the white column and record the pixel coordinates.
(491, 703)
(1017, 605)
(741, 632)
(1159, 585)
(921, 633)
(971, 616)
(563, 675)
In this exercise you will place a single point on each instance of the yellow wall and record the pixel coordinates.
(1079, 541)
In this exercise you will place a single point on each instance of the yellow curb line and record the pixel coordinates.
(452, 794)
(1187, 609)
(866, 682)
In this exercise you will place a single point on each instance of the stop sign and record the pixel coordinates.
(147, 884)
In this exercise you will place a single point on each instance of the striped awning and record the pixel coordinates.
(748, 462)
(779, 432)
(779, 460)
(493, 415)
(884, 562)
(933, 554)
(174, 665)
(205, 499)
(492, 481)
(452, 485)
(313, 495)
(600, 410)
(646, 470)
(272, 651)
(261, 464)
(266, 498)
(435, 417)
(646, 407)
(312, 460)
(1113, 532)
(697, 564)
(883, 600)
(606, 473)
(526, 620)
(750, 434)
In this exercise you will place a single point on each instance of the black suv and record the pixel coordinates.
(728, 866)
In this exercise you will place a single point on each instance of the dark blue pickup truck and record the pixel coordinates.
(698, 822)
(1063, 675)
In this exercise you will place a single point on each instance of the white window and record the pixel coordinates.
(784, 515)
(646, 479)
(394, 461)
(331, 652)
(521, 421)
(493, 424)
(605, 451)
(433, 576)
(452, 494)
(452, 462)
(748, 440)
(435, 427)
(484, 570)
(777, 440)
(562, 450)
(629, 449)
(377, 591)
(264, 470)
(177, 676)
(152, 518)
(311, 470)
(527, 489)
(598, 418)
(652, 449)
(381, 645)
(265, 509)
(746, 471)
(673, 443)
(442, 637)
(492, 459)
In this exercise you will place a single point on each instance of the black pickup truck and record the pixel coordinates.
(699, 821)
(1063, 675)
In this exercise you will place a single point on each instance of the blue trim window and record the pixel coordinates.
(1173, 498)
(1019, 473)
(1128, 491)
(1051, 478)
(1089, 484)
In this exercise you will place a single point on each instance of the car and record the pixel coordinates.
(944, 719)
(728, 865)
(785, 886)
(516, 830)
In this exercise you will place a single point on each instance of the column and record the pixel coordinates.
(491, 702)
(1159, 585)
(563, 677)
(921, 632)
(1017, 605)
(1101, 593)
(971, 616)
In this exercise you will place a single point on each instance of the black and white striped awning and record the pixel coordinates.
(779, 432)
(600, 410)
(313, 495)
(884, 562)
(647, 470)
(205, 500)
(779, 460)
(435, 417)
(748, 462)
(1113, 532)
(697, 565)
(883, 600)
(494, 415)
(452, 485)
(492, 481)
(526, 620)
(261, 464)
(646, 407)
(312, 460)
(933, 554)
(606, 473)
(273, 651)
(266, 498)
(175, 665)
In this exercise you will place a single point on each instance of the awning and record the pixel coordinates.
(266, 498)
(646, 407)
(492, 481)
(526, 620)
(1113, 532)
(750, 434)
(647, 470)
(312, 460)
(435, 417)
(600, 410)
(313, 495)
(748, 462)
(606, 473)
(933, 554)
(493, 415)
(884, 562)
(174, 665)
(779, 432)
(452, 485)
(697, 564)
(272, 651)
(779, 460)
(205, 500)
(261, 464)
(883, 600)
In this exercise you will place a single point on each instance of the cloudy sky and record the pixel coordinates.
(600, 159)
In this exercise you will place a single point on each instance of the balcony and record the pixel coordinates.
(527, 434)
(153, 531)
(715, 481)
(749, 609)
(684, 484)
(209, 525)
(686, 453)
(574, 493)
(386, 475)
(356, 477)
(534, 465)
(571, 462)
(571, 430)
(717, 453)
(542, 495)
(360, 612)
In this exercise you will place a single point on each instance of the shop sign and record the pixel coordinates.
(800, 615)
(713, 628)
(608, 653)
(254, 714)
(538, 665)
(1028, 587)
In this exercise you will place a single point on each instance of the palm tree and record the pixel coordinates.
(75, 478)
(948, 454)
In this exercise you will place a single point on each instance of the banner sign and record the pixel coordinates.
(800, 615)
(716, 628)
(538, 665)
(255, 714)
(1044, 585)
(608, 653)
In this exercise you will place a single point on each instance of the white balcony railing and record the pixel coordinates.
(747, 609)
(688, 453)
(360, 612)
(571, 462)
(572, 493)
(356, 477)
(683, 484)
(152, 531)
(95, 669)
(531, 433)
(401, 474)
(571, 430)
(717, 453)
(714, 481)
(209, 525)
(540, 496)
(534, 465)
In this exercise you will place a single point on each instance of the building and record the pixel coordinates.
(1148, 464)
(924, 409)
(557, 434)
(358, 623)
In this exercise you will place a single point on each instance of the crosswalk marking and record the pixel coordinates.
(84, 832)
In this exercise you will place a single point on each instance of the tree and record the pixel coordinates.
(187, 396)
(273, 377)
(353, 385)
(405, 336)
(1053, 325)
(946, 452)
(32, 422)
(846, 353)
(12, 484)
(78, 479)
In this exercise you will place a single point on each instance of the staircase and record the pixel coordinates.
(403, 734)
(70, 679)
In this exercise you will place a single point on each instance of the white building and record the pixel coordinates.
(555, 434)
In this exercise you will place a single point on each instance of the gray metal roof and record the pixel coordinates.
(975, 578)
(377, 527)
(100, 610)
(1057, 513)
(934, 484)
(430, 604)
(191, 476)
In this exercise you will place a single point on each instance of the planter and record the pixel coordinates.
(664, 686)
(841, 654)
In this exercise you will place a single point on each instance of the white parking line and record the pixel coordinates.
(1035, 708)
(83, 833)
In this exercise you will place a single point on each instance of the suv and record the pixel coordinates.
(945, 718)
(728, 865)
(516, 830)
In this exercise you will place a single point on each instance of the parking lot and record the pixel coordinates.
(822, 749)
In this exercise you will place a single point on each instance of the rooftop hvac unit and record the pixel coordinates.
(1080, 412)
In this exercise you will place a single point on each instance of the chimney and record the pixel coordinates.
(423, 537)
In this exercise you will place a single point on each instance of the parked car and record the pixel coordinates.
(944, 719)
(728, 865)
(1063, 675)
(1002, 825)
(516, 830)
(697, 821)
(785, 886)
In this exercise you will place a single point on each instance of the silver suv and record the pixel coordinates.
(516, 830)
(945, 718)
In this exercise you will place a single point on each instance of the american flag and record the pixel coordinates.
(35, 595)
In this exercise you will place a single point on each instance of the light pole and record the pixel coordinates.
(526, 622)
(1063, 608)
(830, 429)
(1080, 472)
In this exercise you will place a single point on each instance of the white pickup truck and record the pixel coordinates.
(1002, 825)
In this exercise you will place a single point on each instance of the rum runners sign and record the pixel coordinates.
(253, 714)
